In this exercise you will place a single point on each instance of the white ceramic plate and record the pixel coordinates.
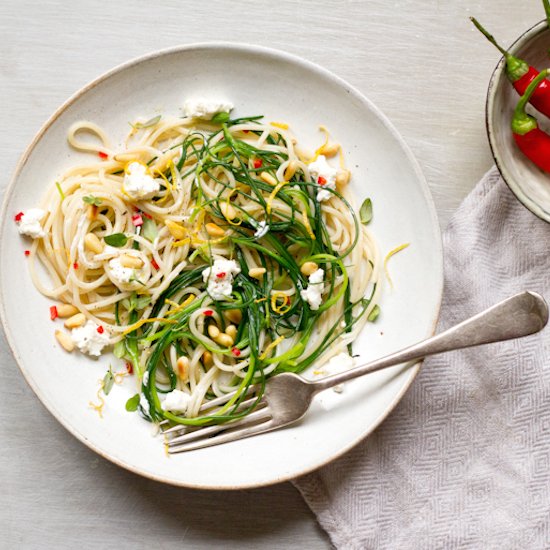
(282, 87)
(530, 184)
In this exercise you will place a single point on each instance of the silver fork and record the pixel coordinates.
(287, 396)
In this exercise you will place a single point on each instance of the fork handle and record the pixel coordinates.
(520, 315)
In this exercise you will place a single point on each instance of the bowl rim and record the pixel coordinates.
(252, 49)
(497, 76)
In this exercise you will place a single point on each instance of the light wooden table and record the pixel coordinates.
(420, 61)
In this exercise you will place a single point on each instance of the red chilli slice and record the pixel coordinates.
(53, 313)
(18, 216)
(208, 312)
(137, 220)
(321, 180)
(258, 163)
(103, 155)
(221, 274)
(75, 265)
(236, 352)
(129, 367)
(154, 264)
(27, 252)
(100, 329)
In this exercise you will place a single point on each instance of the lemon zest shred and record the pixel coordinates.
(273, 193)
(98, 407)
(388, 256)
(259, 300)
(284, 307)
(270, 347)
(281, 125)
(178, 307)
(319, 150)
(141, 322)
(307, 225)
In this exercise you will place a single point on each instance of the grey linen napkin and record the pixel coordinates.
(464, 459)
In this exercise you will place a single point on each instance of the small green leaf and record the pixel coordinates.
(150, 122)
(220, 117)
(116, 239)
(108, 381)
(90, 199)
(373, 315)
(365, 212)
(149, 229)
(119, 351)
(132, 403)
(60, 191)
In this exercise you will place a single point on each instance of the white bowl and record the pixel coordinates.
(530, 184)
(282, 87)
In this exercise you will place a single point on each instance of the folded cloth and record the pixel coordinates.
(464, 459)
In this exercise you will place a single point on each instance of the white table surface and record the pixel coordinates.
(420, 61)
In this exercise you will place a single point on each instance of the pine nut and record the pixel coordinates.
(268, 178)
(93, 244)
(207, 359)
(342, 177)
(290, 170)
(66, 310)
(231, 331)
(256, 272)
(176, 230)
(308, 268)
(213, 331)
(224, 340)
(131, 261)
(330, 149)
(234, 315)
(182, 367)
(92, 212)
(229, 213)
(64, 340)
(214, 230)
(75, 321)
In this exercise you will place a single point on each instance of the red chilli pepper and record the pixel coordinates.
(27, 252)
(236, 352)
(75, 265)
(258, 163)
(154, 264)
(100, 329)
(533, 142)
(137, 220)
(521, 74)
(148, 216)
(221, 274)
(53, 313)
(18, 216)
(321, 180)
(103, 155)
(129, 367)
(208, 312)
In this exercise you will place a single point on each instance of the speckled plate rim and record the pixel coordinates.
(299, 61)
(497, 76)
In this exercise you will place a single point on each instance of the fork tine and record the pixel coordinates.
(186, 428)
(211, 430)
(227, 437)
(223, 399)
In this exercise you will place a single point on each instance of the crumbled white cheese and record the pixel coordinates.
(220, 278)
(324, 175)
(205, 108)
(127, 277)
(138, 184)
(30, 225)
(88, 340)
(261, 229)
(337, 364)
(176, 401)
(313, 293)
(144, 404)
(119, 272)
